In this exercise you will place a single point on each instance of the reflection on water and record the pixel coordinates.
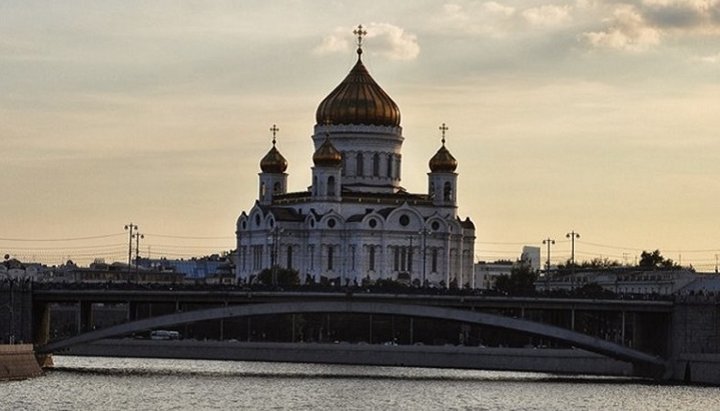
(158, 384)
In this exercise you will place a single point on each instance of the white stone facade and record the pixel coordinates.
(355, 222)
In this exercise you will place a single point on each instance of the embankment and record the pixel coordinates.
(18, 362)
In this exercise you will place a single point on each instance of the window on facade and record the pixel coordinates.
(289, 257)
(434, 260)
(315, 185)
(352, 257)
(389, 165)
(243, 257)
(371, 258)
(262, 190)
(447, 191)
(257, 257)
(396, 258)
(403, 258)
(376, 165)
(397, 167)
(311, 251)
(331, 186)
(409, 259)
(359, 166)
(330, 258)
(277, 187)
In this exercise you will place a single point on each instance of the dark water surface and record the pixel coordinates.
(98, 383)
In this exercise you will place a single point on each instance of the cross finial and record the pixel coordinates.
(443, 128)
(274, 130)
(360, 32)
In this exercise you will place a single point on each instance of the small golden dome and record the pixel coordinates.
(273, 162)
(358, 99)
(327, 155)
(443, 161)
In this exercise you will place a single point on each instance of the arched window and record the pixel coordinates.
(262, 190)
(389, 165)
(277, 187)
(315, 185)
(331, 186)
(331, 251)
(376, 165)
(434, 260)
(371, 258)
(289, 257)
(359, 166)
(447, 191)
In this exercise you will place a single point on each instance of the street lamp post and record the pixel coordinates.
(549, 241)
(572, 236)
(130, 228)
(138, 236)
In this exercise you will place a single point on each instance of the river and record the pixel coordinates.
(99, 383)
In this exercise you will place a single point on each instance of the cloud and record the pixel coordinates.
(628, 31)
(641, 25)
(384, 39)
(684, 14)
(711, 59)
(547, 15)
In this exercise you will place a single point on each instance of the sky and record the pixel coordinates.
(598, 117)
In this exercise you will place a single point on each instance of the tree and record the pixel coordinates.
(285, 277)
(520, 281)
(600, 263)
(654, 260)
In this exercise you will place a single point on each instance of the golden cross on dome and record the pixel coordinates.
(360, 33)
(274, 130)
(443, 128)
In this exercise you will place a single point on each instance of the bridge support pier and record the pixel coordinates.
(132, 310)
(85, 320)
(41, 324)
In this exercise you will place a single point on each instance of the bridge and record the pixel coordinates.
(642, 360)
(644, 333)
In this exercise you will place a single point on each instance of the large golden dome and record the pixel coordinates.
(273, 162)
(327, 155)
(358, 100)
(443, 161)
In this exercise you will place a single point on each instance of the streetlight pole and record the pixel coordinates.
(130, 228)
(549, 241)
(138, 236)
(572, 236)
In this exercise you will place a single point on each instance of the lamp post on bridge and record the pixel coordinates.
(130, 228)
(549, 241)
(138, 236)
(572, 236)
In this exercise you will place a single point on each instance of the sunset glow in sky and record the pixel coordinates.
(601, 117)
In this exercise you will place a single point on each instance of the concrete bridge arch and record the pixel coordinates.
(646, 363)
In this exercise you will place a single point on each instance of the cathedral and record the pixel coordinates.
(355, 223)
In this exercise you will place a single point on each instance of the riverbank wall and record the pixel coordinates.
(499, 359)
(18, 362)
